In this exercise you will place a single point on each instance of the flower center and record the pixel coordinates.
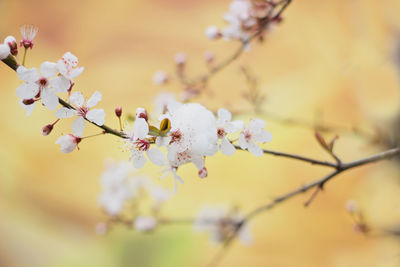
(221, 133)
(247, 136)
(176, 136)
(142, 144)
(43, 82)
(82, 111)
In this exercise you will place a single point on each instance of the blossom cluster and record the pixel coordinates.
(245, 18)
(189, 133)
(122, 186)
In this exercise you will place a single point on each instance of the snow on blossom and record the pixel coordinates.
(145, 223)
(4, 51)
(139, 144)
(42, 85)
(83, 111)
(252, 135)
(116, 189)
(67, 66)
(220, 222)
(224, 127)
(12, 43)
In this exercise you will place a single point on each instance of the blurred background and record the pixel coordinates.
(331, 60)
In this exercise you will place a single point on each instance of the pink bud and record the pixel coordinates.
(203, 173)
(180, 58)
(29, 101)
(46, 130)
(209, 56)
(12, 43)
(118, 112)
(141, 113)
(213, 33)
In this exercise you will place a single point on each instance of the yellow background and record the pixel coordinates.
(331, 56)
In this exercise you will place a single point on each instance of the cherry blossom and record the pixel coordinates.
(145, 223)
(68, 142)
(220, 222)
(224, 127)
(160, 77)
(213, 33)
(67, 66)
(83, 111)
(255, 133)
(28, 33)
(139, 144)
(116, 189)
(42, 85)
(165, 103)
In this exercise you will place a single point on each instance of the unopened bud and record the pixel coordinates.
(118, 112)
(351, 206)
(12, 43)
(213, 33)
(180, 58)
(4, 51)
(141, 113)
(203, 173)
(46, 130)
(29, 101)
(209, 56)
(160, 77)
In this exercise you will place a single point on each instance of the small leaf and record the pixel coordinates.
(165, 126)
(153, 131)
(321, 140)
(332, 143)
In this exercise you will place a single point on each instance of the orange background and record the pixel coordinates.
(331, 56)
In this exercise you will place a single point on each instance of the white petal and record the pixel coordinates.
(262, 137)
(48, 69)
(224, 114)
(242, 141)
(94, 99)
(60, 84)
(198, 161)
(226, 147)
(61, 67)
(77, 99)
(140, 128)
(28, 75)
(49, 99)
(156, 156)
(256, 125)
(76, 72)
(27, 90)
(65, 113)
(97, 116)
(78, 126)
(138, 159)
(255, 150)
(177, 178)
(67, 143)
(234, 126)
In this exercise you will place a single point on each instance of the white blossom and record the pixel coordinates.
(139, 144)
(213, 33)
(226, 126)
(116, 189)
(180, 58)
(67, 66)
(28, 33)
(160, 77)
(83, 111)
(254, 134)
(42, 85)
(68, 142)
(165, 103)
(145, 223)
(219, 222)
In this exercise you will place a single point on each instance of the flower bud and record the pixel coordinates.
(213, 33)
(4, 51)
(12, 43)
(118, 112)
(209, 56)
(141, 113)
(160, 77)
(29, 101)
(351, 206)
(46, 130)
(203, 173)
(180, 58)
